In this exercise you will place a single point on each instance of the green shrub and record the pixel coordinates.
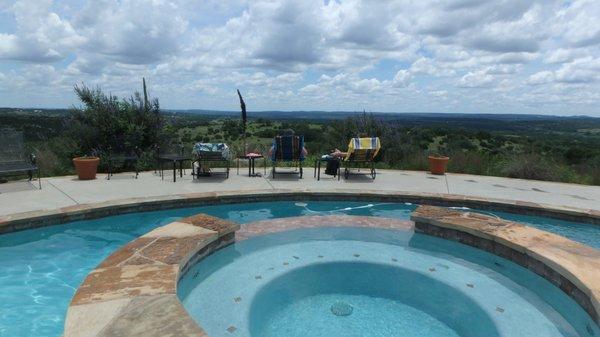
(530, 166)
(105, 123)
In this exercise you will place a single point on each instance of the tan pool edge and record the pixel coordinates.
(134, 291)
(569, 265)
(34, 219)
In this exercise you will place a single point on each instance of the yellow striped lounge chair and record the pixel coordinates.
(361, 154)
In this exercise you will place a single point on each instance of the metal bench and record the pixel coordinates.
(13, 160)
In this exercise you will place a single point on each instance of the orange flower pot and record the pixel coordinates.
(86, 167)
(437, 165)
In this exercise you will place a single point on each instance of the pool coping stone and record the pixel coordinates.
(571, 266)
(35, 219)
(133, 292)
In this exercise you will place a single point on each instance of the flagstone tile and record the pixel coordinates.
(127, 281)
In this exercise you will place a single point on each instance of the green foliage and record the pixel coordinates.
(530, 166)
(106, 123)
(560, 150)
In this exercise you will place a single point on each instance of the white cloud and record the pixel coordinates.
(132, 31)
(578, 23)
(563, 55)
(402, 78)
(41, 35)
(582, 70)
(477, 79)
(579, 71)
(541, 77)
(309, 53)
(430, 66)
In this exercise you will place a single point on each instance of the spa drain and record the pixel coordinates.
(341, 309)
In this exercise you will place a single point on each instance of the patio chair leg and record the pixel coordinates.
(319, 171)
(174, 171)
(109, 170)
(39, 179)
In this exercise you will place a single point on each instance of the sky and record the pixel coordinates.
(474, 56)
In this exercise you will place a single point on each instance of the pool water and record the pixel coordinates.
(40, 269)
(372, 282)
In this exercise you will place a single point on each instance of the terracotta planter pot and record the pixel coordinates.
(437, 165)
(86, 168)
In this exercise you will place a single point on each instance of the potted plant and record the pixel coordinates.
(437, 163)
(86, 167)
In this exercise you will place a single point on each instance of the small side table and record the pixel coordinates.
(318, 162)
(251, 158)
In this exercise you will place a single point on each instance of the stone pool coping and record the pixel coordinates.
(277, 225)
(134, 291)
(571, 266)
(34, 219)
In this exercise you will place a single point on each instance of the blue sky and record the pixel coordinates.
(501, 56)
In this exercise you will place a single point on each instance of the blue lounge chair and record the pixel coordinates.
(288, 149)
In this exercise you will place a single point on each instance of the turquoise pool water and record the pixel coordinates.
(41, 268)
(372, 283)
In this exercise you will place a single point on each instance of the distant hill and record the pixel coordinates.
(326, 115)
(483, 122)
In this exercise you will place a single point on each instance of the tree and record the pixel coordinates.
(106, 123)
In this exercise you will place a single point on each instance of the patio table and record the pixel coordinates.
(251, 157)
(176, 160)
(318, 161)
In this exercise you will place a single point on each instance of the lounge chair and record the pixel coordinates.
(361, 154)
(209, 154)
(288, 149)
(13, 160)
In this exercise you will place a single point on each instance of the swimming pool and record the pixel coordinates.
(41, 268)
(372, 282)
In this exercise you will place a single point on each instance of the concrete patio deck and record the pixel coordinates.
(59, 192)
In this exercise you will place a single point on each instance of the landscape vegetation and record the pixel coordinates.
(565, 149)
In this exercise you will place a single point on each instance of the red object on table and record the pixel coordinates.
(252, 154)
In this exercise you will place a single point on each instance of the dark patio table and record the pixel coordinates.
(176, 160)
